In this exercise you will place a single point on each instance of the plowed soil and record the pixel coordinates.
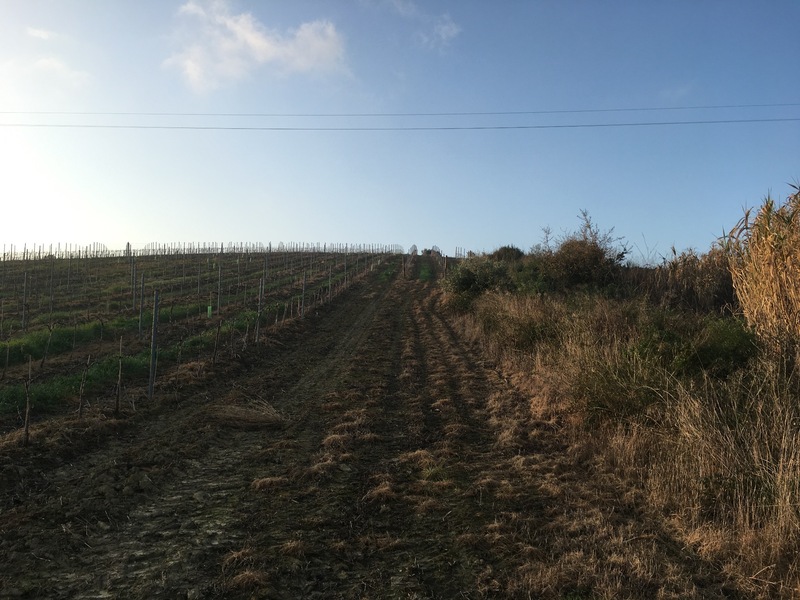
(366, 452)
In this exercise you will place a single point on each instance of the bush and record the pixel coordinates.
(588, 259)
(689, 345)
(507, 254)
(470, 278)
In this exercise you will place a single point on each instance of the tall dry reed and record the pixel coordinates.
(765, 265)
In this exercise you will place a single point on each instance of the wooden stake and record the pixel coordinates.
(27, 404)
(83, 386)
(153, 347)
(119, 380)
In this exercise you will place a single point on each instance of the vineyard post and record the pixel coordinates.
(5, 365)
(219, 285)
(330, 280)
(153, 346)
(260, 301)
(303, 298)
(216, 342)
(52, 268)
(83, 386)
(24, 300)
(47, 345)
(119, 380)
(27, 404)
(133, 281)
(141, 306)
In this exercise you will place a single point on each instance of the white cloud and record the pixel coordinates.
(221, 47)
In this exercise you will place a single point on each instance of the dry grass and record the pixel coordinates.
(268, 483)
(237, 559)
(337, 441)
(765, 262)
(380, 493)
(294, 548)
(248, 579)
(717, 456)
(241, 410)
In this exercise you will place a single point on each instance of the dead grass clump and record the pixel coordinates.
(248, 579)
(424, 505)
(380, 493)
(419, 458)
(324, 465)
(442, 404)
(268, 483)
(331, 406)
(237, 559)
(242, 411)
(351, 422)
(337, 440)
(188, 372)
(294, 548)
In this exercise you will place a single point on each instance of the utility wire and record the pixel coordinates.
(403, 114)
(411, 128)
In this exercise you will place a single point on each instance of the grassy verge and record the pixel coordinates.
(658, 375)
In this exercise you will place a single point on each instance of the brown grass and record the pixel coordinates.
(248, 579)
(268, 483)
(237, 559)
(765, 262)
(717, 457)
(380, 493)
(294, 548)
(242, 411)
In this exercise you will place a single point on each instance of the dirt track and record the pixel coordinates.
(365, 453)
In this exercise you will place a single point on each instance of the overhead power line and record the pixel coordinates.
(397, 114)
(392, 128)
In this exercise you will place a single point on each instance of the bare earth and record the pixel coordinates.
(367, 452)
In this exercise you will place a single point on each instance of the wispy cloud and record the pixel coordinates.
(55, 67)
(220, 47)
(435, 32)
(41, 34)
(27, 82)
(444, 31)
(676, 93)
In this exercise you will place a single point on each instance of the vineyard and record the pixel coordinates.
(77, 328)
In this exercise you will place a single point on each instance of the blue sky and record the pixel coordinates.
(192, 176)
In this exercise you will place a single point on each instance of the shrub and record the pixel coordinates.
(507, 254)
(589, 259)
(472, 277)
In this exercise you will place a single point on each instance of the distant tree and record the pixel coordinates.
(507, 254)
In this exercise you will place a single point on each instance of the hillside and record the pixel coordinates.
(366, 451)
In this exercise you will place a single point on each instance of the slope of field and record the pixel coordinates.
(365, 452)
